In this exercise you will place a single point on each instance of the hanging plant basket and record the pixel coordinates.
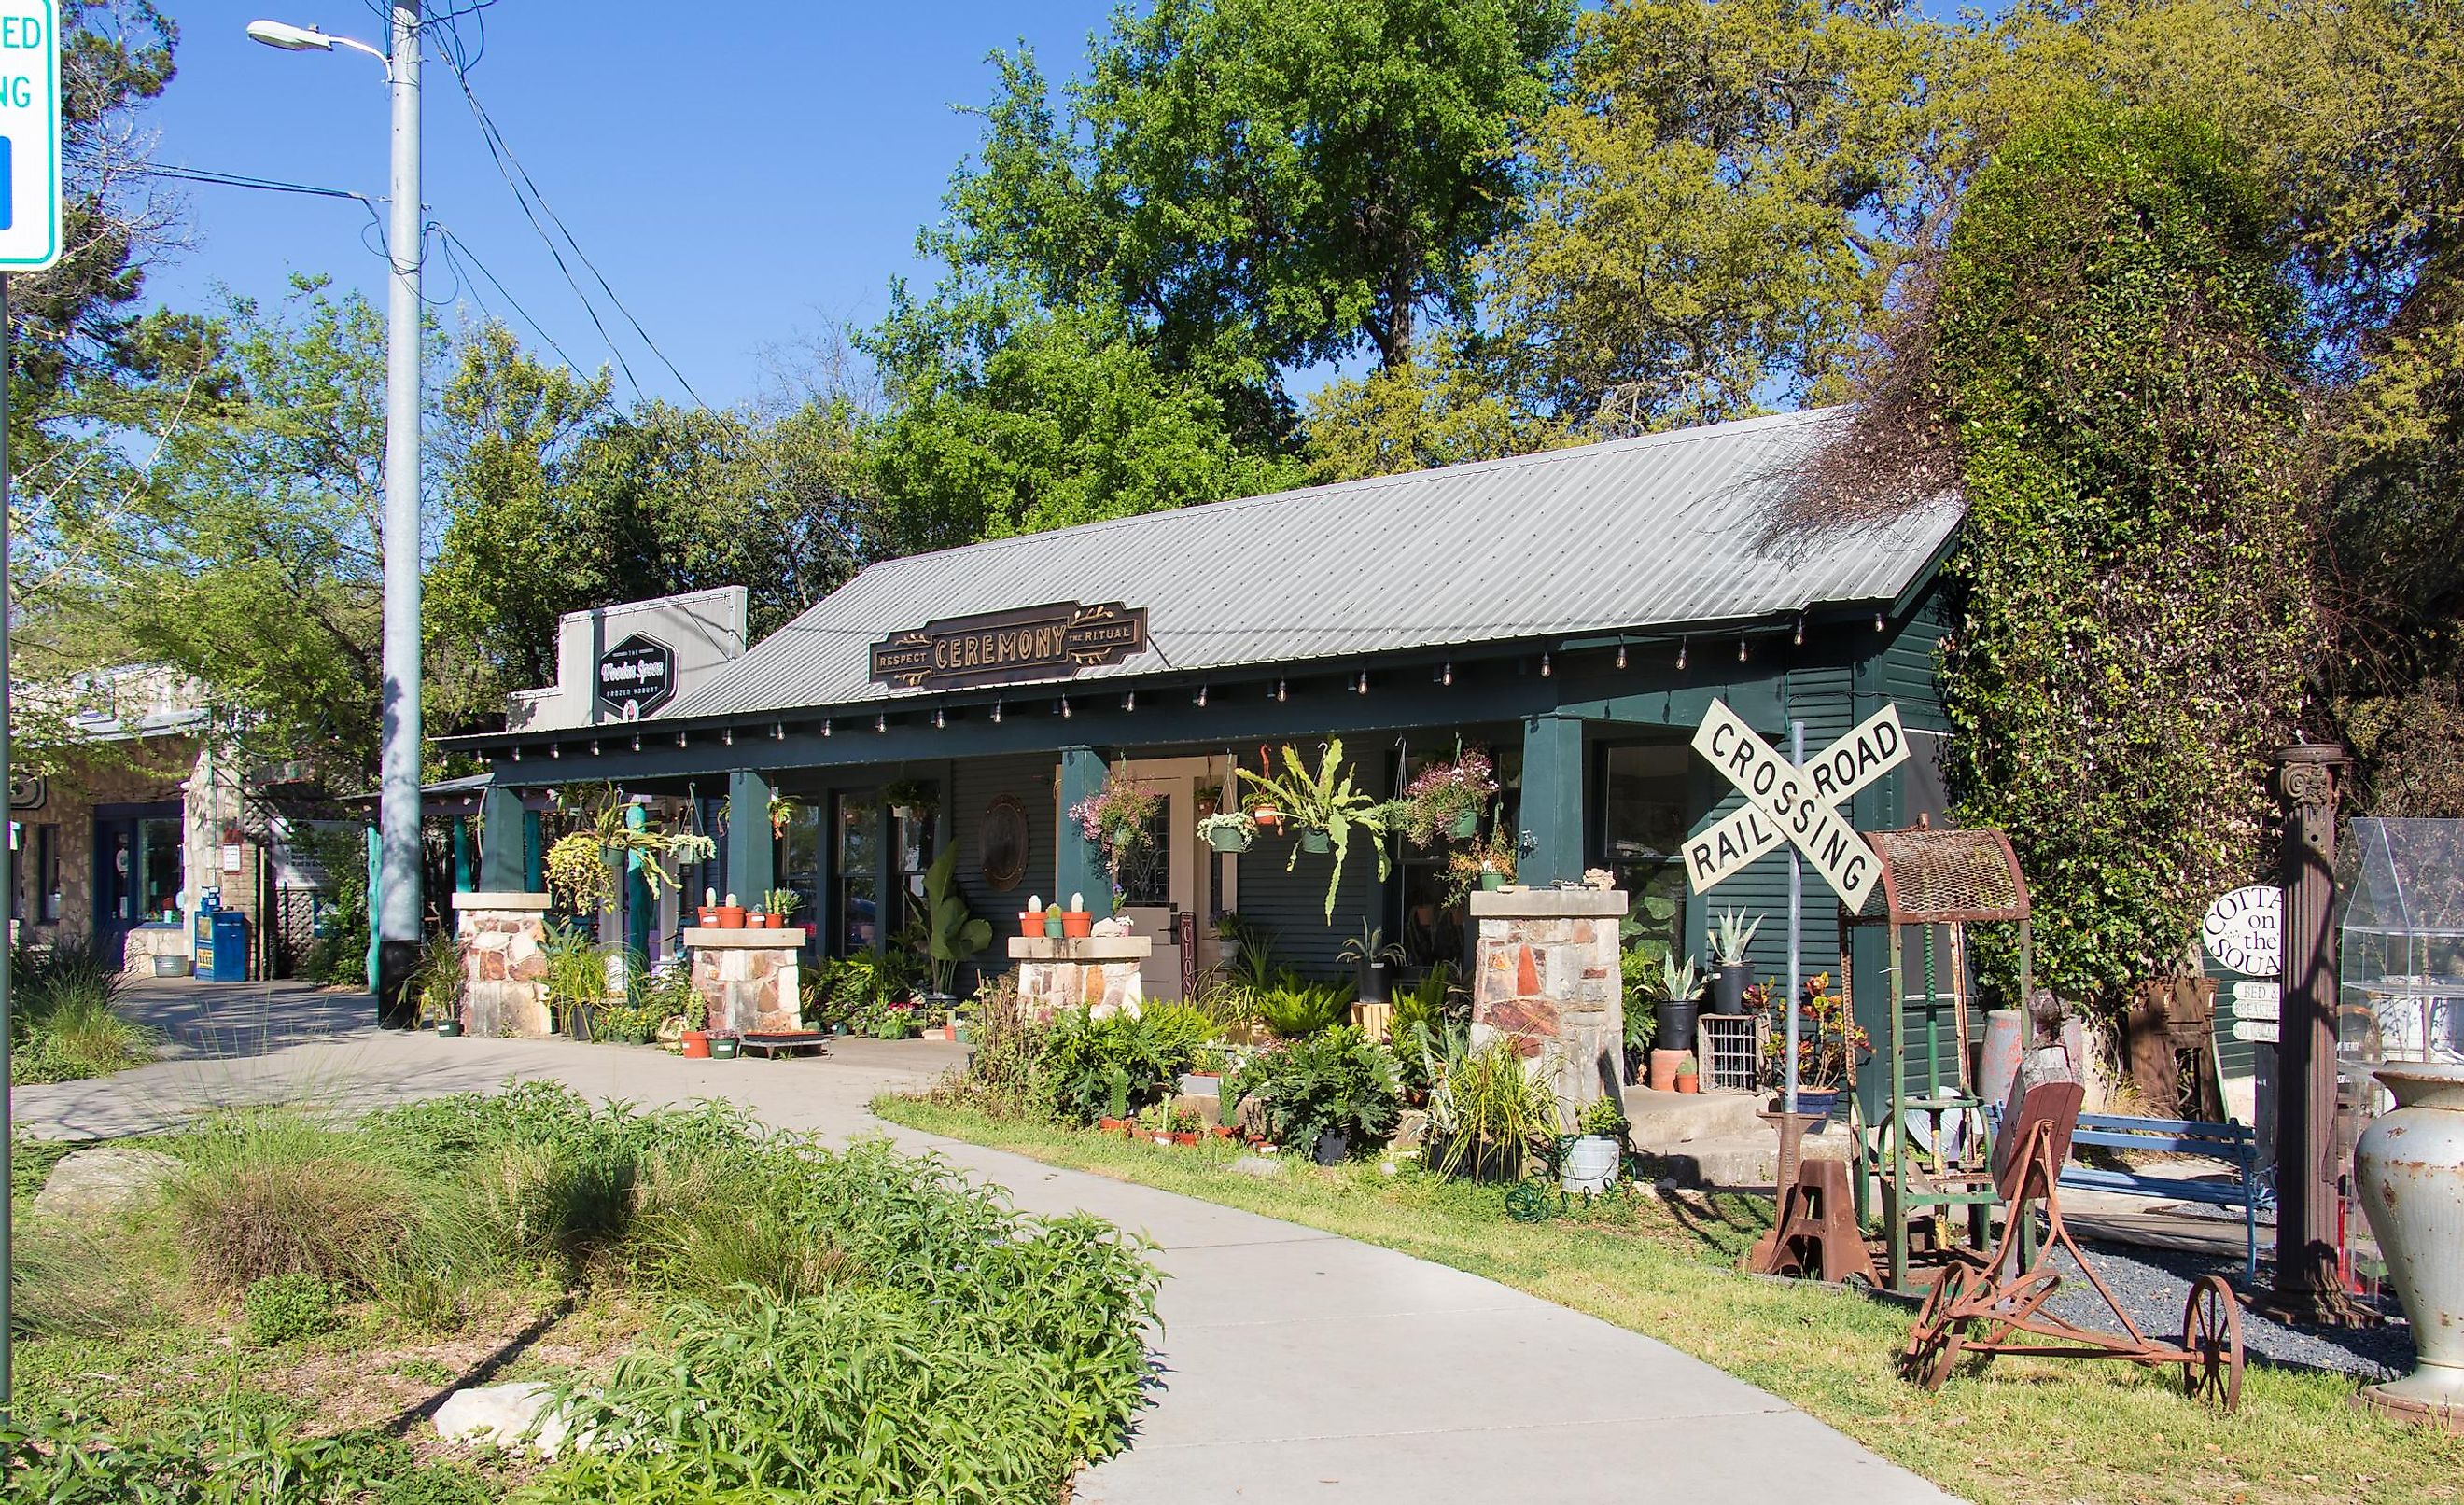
(1467, 826)
(1316, 841)
(1229, 838)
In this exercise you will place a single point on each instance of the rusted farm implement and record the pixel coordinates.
(1997, 1304)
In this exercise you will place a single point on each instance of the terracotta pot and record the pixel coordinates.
(696, 1043)
(1031, 924)
(756, 920)
(706, 916)
(1268, 815)
(731, 917)
(1076, 923)
(1111, 1125)
(1184, 1139)
(1689, 1084)
(1662, 1076)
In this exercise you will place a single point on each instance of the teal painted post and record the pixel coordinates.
(533, 853)
(1079, 868)
(638, 903)
(504, 839)
(461, 830)
(752, 856)
(1553, 800)
(371, 834)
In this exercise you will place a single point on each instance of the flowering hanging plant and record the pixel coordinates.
(1117, 818)
(1444, 797)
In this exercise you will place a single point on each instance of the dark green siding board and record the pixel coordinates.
(1291, 906)
(973, 784)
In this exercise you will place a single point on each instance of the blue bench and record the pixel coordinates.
(2236, 1145)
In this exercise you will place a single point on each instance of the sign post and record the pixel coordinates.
(29, 241)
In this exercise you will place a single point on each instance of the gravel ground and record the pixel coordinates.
(2151, 1284)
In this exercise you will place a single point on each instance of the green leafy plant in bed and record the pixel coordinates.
(1333, 1082)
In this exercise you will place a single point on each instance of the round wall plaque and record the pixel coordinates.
(1001, 848)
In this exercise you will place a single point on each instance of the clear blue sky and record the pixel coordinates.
(739, 172)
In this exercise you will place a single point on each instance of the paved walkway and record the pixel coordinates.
(1295, 1365)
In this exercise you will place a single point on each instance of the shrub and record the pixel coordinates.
(1112, 1066)
(66, 1025)
(286, 1308)
(1293, 1009)
(1334, 1081)
(240, 1450)
(1003, 1071)
(1489, 1110)
(273, 1192)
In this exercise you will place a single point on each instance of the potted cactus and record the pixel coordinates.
(1077, 921)
(1030, 920)
(781, 902)
(731, 914)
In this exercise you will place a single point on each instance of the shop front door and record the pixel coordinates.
(140, 873)
(1164, 881)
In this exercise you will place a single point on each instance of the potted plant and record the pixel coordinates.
(1444, 800)
(1592, 1160)
(1830, 1045)
(1370, 956)
(1030, 920)
(731, 914)
(1208, 798)
(1676, 992)
(1730, 971)
(1233, 831)
(1077, 922)
(1487, 863)
(781, 810)
(911, 799)
(724, 1044)
(1688, 1074)
(1327, 808)
(781, 902)
(1053, 929)
(581, 864)
(950, 933)
(706, 916)
(1228, 936)
(1117, 817)
(695, 1044)
(1332, 1091)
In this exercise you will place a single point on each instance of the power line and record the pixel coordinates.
(457, 250)
(526, 193)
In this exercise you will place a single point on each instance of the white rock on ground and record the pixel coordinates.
(97, 1183)
(502, 1415)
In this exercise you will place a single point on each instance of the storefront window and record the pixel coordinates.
(1646, 807)
(163, 867)
(800, 858)
(35, 876)
(857, 901)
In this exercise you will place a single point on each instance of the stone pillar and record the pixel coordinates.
(1544, 970)
(1100, 973)
(1079, 868)
(2308, 1171)
(749, 980)
(1551, 808)
(504, 960)
(752, 868)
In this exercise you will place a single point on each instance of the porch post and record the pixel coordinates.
(752, 868)
(1552, 814)
(504, 843)
(1080, 866)
(459, 830)
(533, 853)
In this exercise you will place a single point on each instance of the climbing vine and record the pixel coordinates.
(2112, 355)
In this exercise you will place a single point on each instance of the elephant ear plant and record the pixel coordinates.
(950, 935)
(1322, 802)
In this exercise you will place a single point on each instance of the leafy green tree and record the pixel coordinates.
(1719, 204)
(2110, 351)
(1418, 414)
(1025, 420)
(1264, 183)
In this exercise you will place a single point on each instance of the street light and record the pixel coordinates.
(398, 897)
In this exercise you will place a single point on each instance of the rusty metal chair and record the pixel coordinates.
(1984, 1306)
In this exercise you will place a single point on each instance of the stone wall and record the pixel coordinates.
(504, 962)
(1545, 971)
(749, 980)
(1101, 974)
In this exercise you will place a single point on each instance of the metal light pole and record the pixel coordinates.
(397, 898)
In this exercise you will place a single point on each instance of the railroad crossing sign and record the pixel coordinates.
(1788, 803)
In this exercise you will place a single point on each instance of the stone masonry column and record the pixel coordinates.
(504, 958)
(1545, 971)
(1096, 972)
(749, 980)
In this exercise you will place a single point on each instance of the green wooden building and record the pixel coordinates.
(1572, 612)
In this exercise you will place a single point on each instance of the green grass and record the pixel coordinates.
(2025, 1432)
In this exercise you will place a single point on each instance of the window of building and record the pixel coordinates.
(35, 873)
(856, 900)
(1647, 809)
(799, 861)
(163, 865)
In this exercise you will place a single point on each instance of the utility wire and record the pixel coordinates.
(526, 193)
(458, 250)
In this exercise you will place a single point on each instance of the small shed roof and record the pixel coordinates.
(1657, 532)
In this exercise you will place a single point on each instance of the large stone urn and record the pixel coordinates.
(2409, 1167)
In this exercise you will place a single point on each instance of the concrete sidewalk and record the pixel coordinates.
(1293, 1364)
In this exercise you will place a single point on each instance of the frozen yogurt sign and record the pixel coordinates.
(636, 676)
(2244, 930)
(1788, 803)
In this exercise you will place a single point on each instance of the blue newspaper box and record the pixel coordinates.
(228, 962)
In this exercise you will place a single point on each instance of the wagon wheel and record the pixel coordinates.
(1935, 1343)
(2211, 1339)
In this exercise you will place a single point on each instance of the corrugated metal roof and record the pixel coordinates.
(1648, 532)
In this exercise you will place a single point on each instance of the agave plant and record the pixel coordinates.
(1678, 980)
(1728, 943)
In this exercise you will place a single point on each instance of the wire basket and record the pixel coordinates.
(1949, 877)
(1728, 1050)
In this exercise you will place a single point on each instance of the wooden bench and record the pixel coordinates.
(2236, 1145)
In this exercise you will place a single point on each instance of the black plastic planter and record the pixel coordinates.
(1676, 1025)
(1729, 987)
(1375, 986)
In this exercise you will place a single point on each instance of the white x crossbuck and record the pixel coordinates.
(1788, 803)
